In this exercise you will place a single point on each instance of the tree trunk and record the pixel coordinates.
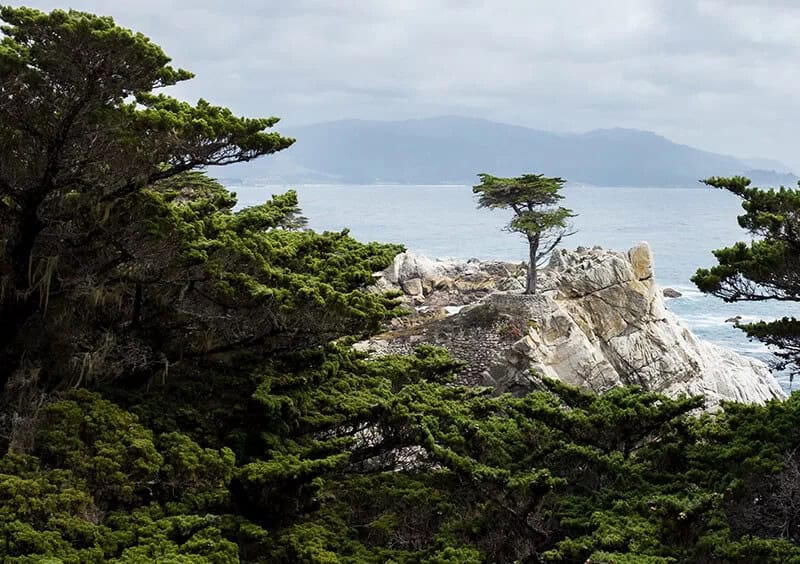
(533, 244)
(18, 305)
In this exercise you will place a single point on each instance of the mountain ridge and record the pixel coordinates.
(453, 149)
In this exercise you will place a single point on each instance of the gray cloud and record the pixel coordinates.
(718, 74)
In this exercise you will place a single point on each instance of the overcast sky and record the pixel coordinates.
(722, 75)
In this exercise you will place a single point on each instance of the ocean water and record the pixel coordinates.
(682, 226)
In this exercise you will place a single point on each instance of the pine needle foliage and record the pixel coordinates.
(765, 268)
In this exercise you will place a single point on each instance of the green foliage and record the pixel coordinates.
(765, 268)
(102, 488)
(354, 460)
(537, 216)
(82, 137)
(101, 444)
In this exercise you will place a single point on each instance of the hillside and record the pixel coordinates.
(453, 149)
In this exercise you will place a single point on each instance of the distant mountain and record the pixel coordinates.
(767, 164)
(454, 149)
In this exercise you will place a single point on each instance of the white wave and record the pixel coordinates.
(705, 321)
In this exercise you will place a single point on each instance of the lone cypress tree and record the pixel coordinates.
(534, 199)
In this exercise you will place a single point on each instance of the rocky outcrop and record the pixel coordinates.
(441, 282)
(599, 322)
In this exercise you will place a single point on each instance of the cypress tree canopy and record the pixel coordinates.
(115, 259)
(767, 267)
(537, 216)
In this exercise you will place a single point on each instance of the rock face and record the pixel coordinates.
(599, 322)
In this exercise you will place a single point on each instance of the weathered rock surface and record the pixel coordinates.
(599, 322)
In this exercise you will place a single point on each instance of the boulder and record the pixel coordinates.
(641, 260)
(412, 286)
(671, 293)
(407, 266)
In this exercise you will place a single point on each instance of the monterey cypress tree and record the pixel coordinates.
(82, 136)
(537, 217)
(765, 269)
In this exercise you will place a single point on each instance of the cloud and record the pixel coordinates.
(718, 74)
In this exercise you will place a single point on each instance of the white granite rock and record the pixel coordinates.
(407, 266)
(599, 322)
(603, 323)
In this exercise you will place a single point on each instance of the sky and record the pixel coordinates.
(721, 75)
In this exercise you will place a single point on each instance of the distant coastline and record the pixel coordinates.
(453, 150)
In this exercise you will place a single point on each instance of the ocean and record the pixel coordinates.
(682, 226)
